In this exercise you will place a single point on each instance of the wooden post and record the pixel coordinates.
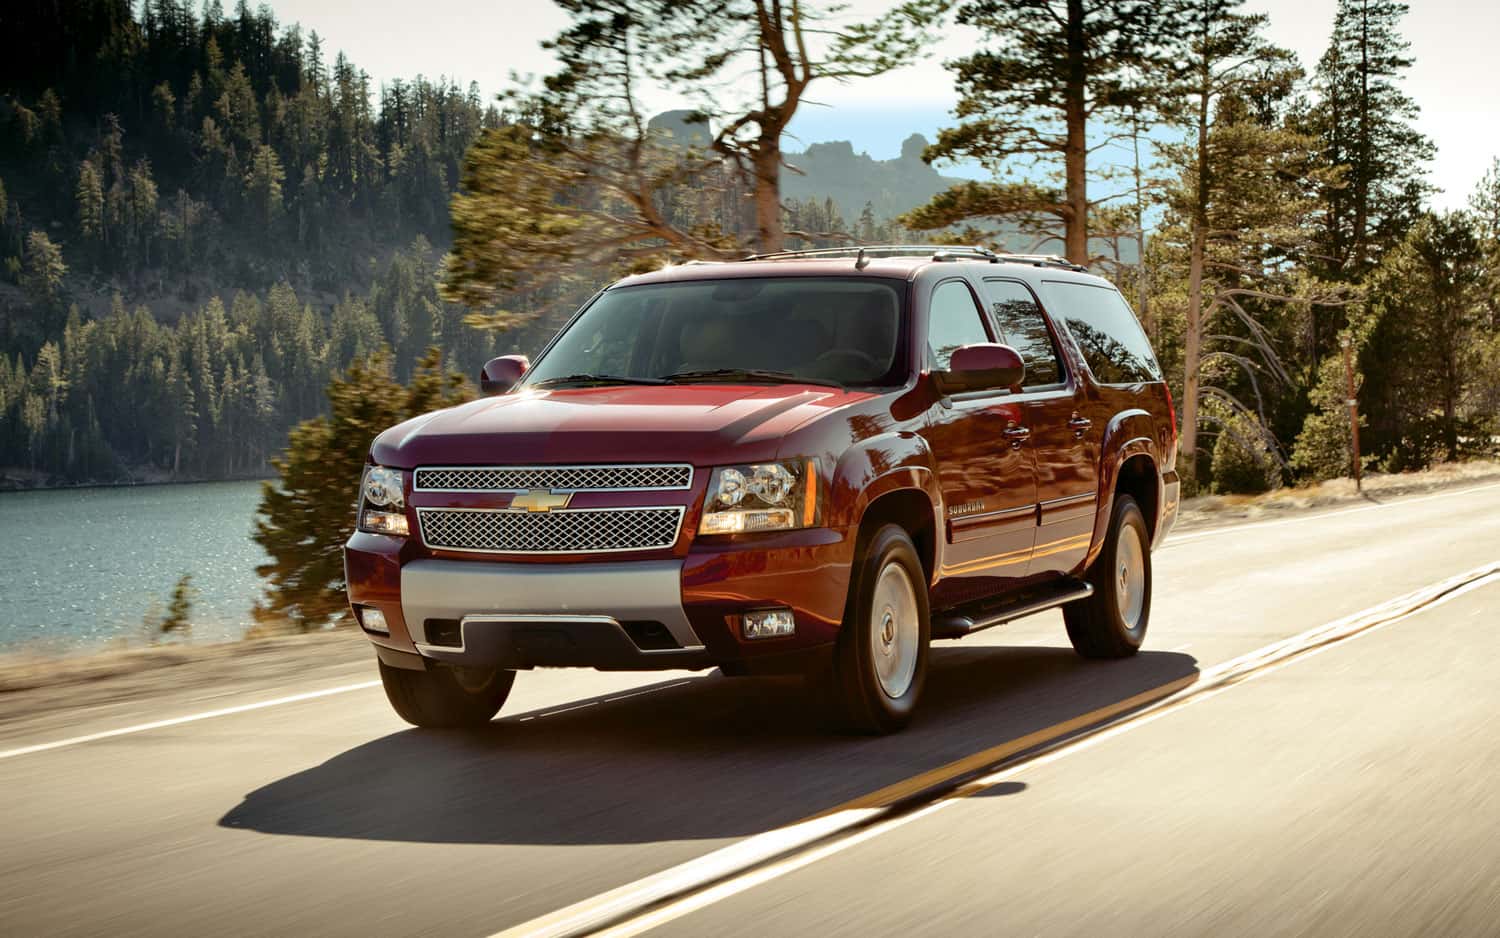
(1353, 403)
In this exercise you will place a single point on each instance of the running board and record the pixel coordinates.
(958, 624)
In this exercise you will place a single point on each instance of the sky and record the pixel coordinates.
(485, 41)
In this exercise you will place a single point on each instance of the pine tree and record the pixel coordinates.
(866, 230)
(90, 195)
(1235, 195)
(263, 188)
(42, 276)
(140, 209)
(1425, 350)
(1364, 120)
(1485, 203)
(306, 515)
(1050, 70)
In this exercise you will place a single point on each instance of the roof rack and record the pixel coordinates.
(1040, 260)
(938, 252)
(880, 250)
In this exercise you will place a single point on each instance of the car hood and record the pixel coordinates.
(699, 424)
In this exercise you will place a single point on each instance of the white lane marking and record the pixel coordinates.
(191, 718)
(649, 690)
(1257, 525)
(717, 870)
(1180, 648)
(577, 706)
(261, 705)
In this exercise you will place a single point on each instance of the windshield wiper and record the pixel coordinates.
(593, 379)
(748, 375)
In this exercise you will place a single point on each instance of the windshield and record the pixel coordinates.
(826, 330)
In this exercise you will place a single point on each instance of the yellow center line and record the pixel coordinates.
(900, 791)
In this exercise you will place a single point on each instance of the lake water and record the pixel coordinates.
(82, 568)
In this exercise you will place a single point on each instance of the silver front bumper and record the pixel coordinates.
(582, 592)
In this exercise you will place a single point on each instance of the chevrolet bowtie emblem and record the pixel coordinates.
(541, 500)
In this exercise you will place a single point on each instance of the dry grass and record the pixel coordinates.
(1217, 509)
(27, 670)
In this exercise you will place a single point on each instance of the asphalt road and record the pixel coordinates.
(1351, 791)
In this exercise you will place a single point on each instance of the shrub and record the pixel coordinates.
(1243, 461)
(305, 516)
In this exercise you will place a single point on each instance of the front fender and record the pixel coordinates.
(879, 465)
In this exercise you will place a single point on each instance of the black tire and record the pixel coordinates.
(1097, 627)
(861, 702)
(443, 698)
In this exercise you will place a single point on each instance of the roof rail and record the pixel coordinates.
(937, 251)
(1040, 260)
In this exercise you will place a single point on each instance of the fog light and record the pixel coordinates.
(768, 623)
(372, 620)
(385, 522)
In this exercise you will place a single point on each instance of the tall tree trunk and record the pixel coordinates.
(1075, 156)
(769, 233)
(1141, 287)
(1452, 388)
(1362, 147)
(1192, 353)
(1192, 357)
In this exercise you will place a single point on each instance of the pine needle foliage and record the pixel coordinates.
(306, 514)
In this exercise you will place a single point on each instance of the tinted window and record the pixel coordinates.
(830, 328)
(1106, 330)
(955, 321)
(1023, 328)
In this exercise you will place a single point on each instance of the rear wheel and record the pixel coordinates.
(1112, 622)
(444, 697)
(880, 659)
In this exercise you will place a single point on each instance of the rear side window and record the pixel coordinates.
(1023, 329)
(1099, 319)
(954, 322)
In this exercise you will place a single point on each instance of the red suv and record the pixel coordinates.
(811, 462)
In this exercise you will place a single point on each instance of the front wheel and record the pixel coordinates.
(1112, 622)
(443, 697)
(880, 660)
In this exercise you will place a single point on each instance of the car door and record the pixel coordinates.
(1064, 439)
(984, 462)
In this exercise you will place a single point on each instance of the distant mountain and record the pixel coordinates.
(834, 170)
(682, 128)
(851, 179)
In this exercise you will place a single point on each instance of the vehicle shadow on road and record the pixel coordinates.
(710, 758)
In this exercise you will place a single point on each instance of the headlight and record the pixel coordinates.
(382, 487)
(382, 505)
(775, 496)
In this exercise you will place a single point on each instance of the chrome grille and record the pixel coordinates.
(568, 531)
(621, 478)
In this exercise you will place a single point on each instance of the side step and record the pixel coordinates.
(967, 620)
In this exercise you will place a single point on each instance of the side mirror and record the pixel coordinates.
(501, 374)
(981, 367)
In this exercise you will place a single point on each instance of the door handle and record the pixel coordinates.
(1079, 425)
(1017, 436)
